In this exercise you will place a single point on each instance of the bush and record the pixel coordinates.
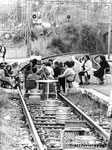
(66, 39)
(72, 34)
(88, 38)
(19, 37)
(33, 36)
(57, 42)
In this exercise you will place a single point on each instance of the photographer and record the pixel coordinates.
(86, 70)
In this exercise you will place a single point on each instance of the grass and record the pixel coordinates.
(3, 99)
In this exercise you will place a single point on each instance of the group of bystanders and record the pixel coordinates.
(88, 71)
(61, 71)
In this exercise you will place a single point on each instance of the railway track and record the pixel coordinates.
(50, 134)
(53, 131)
(72, 53)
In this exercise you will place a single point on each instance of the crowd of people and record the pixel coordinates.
(87, 70)
(53, 69)
(64, 71)
(50, 70)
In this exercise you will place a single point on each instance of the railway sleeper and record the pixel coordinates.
(68, 135)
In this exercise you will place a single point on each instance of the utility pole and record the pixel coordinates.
(28, 27)
(108, 21)
(109, 39)
(109, 32)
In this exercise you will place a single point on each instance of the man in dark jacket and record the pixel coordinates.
(57, 70)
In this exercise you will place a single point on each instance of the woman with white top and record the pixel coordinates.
(86, 68)
(68, 74)
(50, 69)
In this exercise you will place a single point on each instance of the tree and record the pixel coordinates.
(72, 35)
(4, 14)
(19, 11)
(88, 38)
(4, 17)
(34, 7)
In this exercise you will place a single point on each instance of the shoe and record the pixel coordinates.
(87, 83)
(80, 83)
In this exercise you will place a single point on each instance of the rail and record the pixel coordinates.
(64, 54)
(30, 123)
(100, 130)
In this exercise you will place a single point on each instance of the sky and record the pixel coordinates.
(6, 1)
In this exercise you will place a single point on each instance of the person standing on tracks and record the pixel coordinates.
(57, 70)
(50, 69)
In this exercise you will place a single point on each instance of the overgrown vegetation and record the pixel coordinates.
(77, 38)
(88, 38)
(66, 38)
(73, 34)
(19, 37)
(3, 99)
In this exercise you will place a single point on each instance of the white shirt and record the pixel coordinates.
(51, 71)
(68, 73)
(88, 67)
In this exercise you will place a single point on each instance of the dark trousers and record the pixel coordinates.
(62, 83)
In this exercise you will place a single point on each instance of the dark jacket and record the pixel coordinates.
(100, 72)
(57, 72)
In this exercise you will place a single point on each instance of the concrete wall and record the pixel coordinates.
(16, 53)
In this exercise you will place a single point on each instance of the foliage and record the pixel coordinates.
(66, 39)
(56, 42)
(71, 34)
(33, 36)
(19, 36)
(4, 17)
(60, 44)
(76, 38)
(88, 38)
(34, 7)
(3, 99)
